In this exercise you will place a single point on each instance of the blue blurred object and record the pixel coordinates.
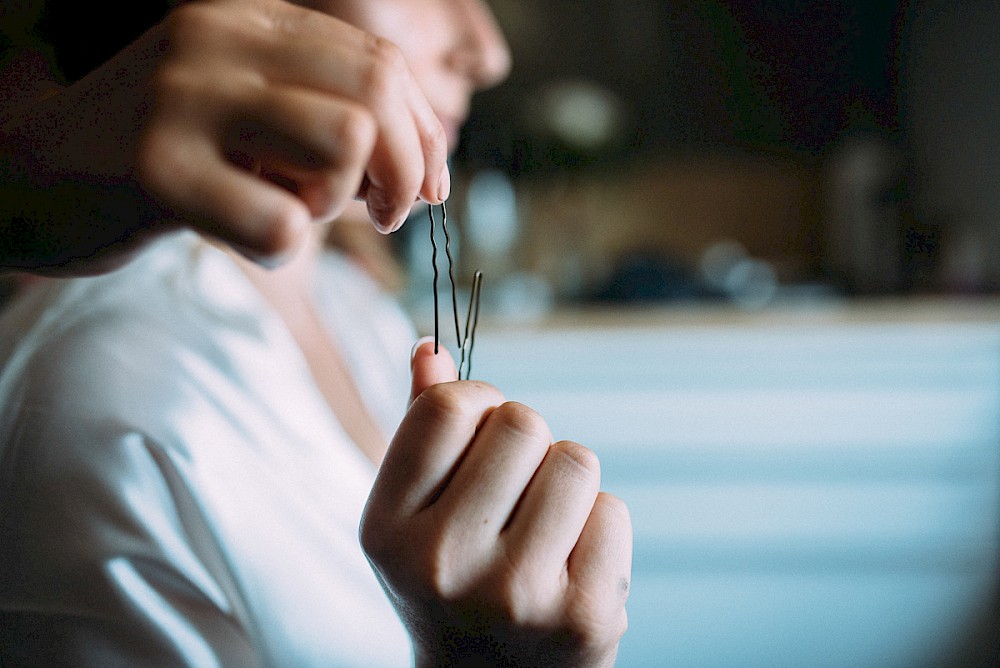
(652, 276)
(818, 488)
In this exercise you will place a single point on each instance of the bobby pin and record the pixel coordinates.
(466, 341)
(451, 271)
(471, 320)
(434, 264)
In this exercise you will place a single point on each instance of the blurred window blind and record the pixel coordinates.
(803, 494)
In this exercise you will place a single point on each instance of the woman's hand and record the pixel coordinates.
(245, 119)
(494, 543)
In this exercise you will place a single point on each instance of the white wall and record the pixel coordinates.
(813, 493)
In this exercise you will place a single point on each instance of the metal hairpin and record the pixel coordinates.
(467, 340)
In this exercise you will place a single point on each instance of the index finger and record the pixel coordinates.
(429, 445)
(411, 150)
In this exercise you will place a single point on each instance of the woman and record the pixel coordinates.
(188, 442)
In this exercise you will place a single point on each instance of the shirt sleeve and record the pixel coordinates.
(106, 558)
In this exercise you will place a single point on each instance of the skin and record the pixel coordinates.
(251, 119)
(493, 541)
(244, 119)
(453, 49)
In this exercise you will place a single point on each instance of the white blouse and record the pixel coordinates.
(174, 490)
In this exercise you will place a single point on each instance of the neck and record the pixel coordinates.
(288, 289)
(289, 283)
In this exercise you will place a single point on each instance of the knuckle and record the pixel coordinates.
(516, 417)
(435, 564)
(377, 534)
(594, 623)
(171, 83)
(386, 66)
(454, 402)
(615, 506)
(192, 24)
(515, 602)
(322, 196)
(370, 535)
(441, 401)
(161, 168)
(580, 458)
(435, 139)
(283, 21)
(354, 134)
(439, 575)
(149, 162)
(181, 90)
(283, 233)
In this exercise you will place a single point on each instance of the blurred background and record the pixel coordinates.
(746, 151)
(747, 250)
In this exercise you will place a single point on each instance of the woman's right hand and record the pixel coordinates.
(493, 542)
(245, 119)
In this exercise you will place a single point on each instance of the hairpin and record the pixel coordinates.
(466, 341)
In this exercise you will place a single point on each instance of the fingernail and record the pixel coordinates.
(382, 219)
(390, 227)
(381, 211)
(416, 346)
(444, 186)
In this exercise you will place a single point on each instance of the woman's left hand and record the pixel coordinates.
(493, 542)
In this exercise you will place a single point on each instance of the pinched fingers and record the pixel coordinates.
(409, 160)
(203, 190)
(251, 95)
(314, 145)
(310, 149)
(306, 48)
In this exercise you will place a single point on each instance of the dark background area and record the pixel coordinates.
(781, 75)
(733, 120)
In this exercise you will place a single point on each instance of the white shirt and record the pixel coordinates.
(174, 490)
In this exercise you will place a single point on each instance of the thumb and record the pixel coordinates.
(429, 368)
